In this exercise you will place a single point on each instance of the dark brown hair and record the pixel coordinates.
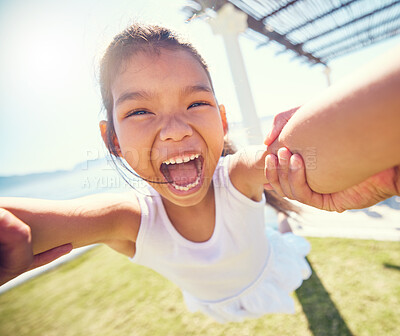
(152, 39)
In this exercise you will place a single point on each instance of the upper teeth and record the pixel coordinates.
(181, 159)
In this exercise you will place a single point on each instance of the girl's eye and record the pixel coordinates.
(197, 104)
(137, 113)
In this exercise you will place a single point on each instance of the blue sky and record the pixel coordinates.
(49, 99)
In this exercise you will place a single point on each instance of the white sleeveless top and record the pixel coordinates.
(242, 271)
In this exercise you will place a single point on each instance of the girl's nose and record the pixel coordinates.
(175, 130)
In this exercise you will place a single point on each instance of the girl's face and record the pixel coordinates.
(168, 123)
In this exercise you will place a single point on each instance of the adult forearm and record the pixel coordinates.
(352, 131)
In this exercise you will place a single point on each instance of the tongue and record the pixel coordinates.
(183, 174)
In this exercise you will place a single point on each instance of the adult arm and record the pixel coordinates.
(288, 179)
(352, 131)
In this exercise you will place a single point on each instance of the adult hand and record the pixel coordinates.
(286, 175)
(16, 256)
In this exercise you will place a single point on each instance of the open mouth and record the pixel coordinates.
(183, 172)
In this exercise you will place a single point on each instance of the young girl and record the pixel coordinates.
(201, 224)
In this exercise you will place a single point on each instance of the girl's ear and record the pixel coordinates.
(222, 112)
(103, 130)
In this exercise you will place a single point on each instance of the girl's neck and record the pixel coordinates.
(197, 222)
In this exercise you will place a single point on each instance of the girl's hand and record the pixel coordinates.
(286, 175)
(280, 120)
(16, 256)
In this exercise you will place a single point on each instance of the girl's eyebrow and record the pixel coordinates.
(143, 95)
(132, 95)
(195, 88)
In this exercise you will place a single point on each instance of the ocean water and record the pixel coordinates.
(85, 179)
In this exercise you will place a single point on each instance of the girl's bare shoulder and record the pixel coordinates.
(246, 171)
(128, 213)
(121, 210)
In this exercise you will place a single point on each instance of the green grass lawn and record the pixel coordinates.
(355, 290)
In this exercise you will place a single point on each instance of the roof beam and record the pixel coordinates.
(352, 21)
(244, 7)
(367, 41)
(320, 16)
(259, 11)
(259, 27)
(290, 3)
(360, 32)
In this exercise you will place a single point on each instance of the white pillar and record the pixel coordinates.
(327, 72)
(229, 23)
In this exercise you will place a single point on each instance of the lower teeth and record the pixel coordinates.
(187, 187)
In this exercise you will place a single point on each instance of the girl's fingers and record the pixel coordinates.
(283, 171)
(280, 120)
(271, 173)
(268, 186)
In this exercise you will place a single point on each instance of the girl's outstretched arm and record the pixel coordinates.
(103, 218)
(16, 255)
(352, 131)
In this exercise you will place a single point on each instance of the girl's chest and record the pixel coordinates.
(196, 227)
(195, 224)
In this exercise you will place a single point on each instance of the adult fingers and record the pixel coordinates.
(50, 255)
(283, 171)
(298, 183)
